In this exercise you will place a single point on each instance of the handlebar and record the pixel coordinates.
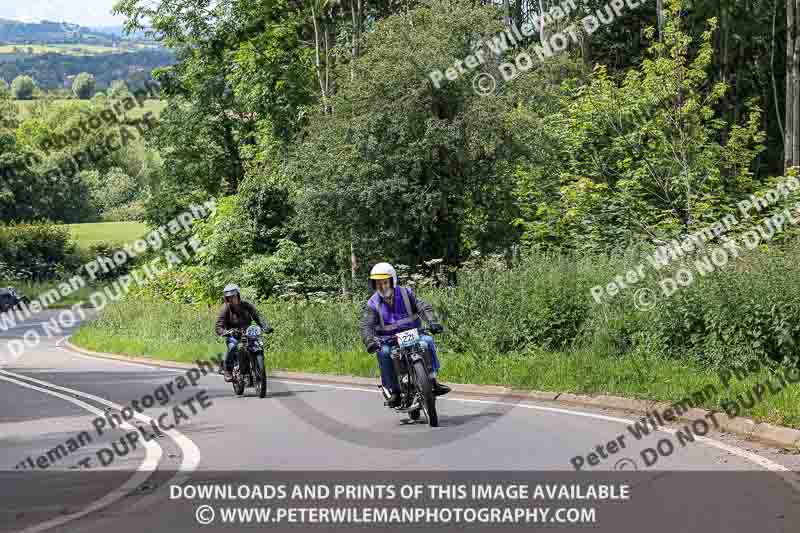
(392, 341)
(240, 332)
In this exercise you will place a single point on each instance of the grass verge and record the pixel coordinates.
(35, 289)
(323, 339)
(114, 232)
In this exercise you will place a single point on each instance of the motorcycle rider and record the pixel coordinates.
(236, 314)
(393, 309)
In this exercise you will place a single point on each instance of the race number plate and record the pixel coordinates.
(407, 338)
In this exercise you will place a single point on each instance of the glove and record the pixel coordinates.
(373, 347)
(436, 328)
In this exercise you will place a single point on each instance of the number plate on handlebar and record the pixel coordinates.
(407, 338)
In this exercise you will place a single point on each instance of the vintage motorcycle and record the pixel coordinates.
(249, 369)
(10, 298)
(412, 364)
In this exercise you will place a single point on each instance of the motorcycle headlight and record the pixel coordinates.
(253, 331)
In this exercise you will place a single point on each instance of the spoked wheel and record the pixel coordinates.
(238, 382)
(261, 375)
(426, 390)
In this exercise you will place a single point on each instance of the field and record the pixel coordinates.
(74, 49)
(116, 232)
(25, 107)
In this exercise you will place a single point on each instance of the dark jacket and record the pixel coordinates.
(370, 320)
(247, 313)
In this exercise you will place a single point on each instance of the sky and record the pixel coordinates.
(83, 12)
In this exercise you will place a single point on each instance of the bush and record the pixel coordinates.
(83, 86)
(22, 87)
(36, 252)
(118, 90)
(749, 311)
(104, 249)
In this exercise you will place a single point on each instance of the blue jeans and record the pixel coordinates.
(230, 355)
(389, 376)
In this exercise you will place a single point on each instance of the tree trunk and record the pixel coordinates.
(356, 8)
(796, 86)
(586, 50)
(789, 158)
(772, 75)
(319, 43)
(723, 69)
(542, 38)
(236, 168)
(660, 13)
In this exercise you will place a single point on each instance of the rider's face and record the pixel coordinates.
(233, 300)
(384, 286)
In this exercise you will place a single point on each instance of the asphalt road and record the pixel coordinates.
(65, 468)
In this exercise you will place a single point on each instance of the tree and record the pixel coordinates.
(792, 135)
(118, 90)
(401, 168)
(624, 162)
(22, 87)
(83, 86)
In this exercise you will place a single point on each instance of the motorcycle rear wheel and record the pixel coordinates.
(425, 388)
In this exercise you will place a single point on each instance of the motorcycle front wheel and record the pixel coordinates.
(261, 374)
(425, 388)
(238, 383)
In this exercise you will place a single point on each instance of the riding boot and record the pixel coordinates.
(393, 401)
(439, 389)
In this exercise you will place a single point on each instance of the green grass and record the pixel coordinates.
(323, 338)
(73, 49)
(114, 232)
(34, 289)
(25, 107)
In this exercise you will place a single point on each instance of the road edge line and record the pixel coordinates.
(140, 476)
(743, 427)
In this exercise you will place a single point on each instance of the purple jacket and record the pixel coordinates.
(379, 319)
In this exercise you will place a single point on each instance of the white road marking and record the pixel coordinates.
(756, 459)
(146, 468)
(189, 450)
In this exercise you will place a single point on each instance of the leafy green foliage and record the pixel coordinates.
(22, 87)
(401, 166)
(36, 252)
(83, 86)
(118, 90)
(641, 158)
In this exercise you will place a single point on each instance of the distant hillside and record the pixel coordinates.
(48, 32)
(52, 53)
(54, 71)
(120, 32)
(16, 32)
